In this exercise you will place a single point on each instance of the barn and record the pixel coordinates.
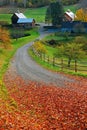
(69, 15)
(19, 19)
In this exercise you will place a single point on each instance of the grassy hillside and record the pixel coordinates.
(6, 54)
(37, 13)
(71, 7)
(5, 17)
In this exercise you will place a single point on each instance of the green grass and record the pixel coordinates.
(50, 66)
(51, 51)
(38, 14)
(7, 54)
(73, 8)
(60, 37)
(5, 17)
(41, 62)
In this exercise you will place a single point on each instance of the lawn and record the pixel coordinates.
(5, 17)
(60, 37)
(6, 55)
(71, 7)
(81, 64)
(37, 13)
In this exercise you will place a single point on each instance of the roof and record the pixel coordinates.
(70, 14)
(25, 20)
(20, 15)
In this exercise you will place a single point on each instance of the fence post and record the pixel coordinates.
(75, 65)
(53, 61)
(48, 59)
(41, 56)
(44, 56)
(62, 64)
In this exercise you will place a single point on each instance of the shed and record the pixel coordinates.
(20, 19)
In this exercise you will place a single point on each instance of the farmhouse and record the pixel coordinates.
(19, 19)
(69, 15)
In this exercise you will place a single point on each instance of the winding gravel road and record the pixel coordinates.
(30, 70)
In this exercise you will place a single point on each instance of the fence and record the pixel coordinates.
(62, 64)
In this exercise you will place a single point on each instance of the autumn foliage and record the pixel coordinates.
(37, 106)
(39, 47)
(81, 15)
(5, 39)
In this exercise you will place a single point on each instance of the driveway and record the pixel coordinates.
(30, 70)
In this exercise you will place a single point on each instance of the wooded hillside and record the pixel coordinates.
(34, 3)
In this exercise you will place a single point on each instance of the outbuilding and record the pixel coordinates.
(69, 15)
(19, 19)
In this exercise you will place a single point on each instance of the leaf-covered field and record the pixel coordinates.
(37, 106)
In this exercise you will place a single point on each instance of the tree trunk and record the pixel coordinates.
(75, 65)
(62, 64)
(69, 61)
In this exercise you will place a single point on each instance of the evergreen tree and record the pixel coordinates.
(48, 18)
(55, 13)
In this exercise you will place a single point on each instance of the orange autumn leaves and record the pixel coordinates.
(46, 107)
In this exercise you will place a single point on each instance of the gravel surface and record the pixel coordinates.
(30, 70)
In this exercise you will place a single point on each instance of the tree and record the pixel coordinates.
(48, 18)
(81, 40)
(81, 15)
(72, 51)
(55, 13)
(5, 37)
(39, 47)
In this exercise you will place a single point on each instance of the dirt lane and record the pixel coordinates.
(30, 70)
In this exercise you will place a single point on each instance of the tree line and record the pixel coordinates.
(35, 3)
